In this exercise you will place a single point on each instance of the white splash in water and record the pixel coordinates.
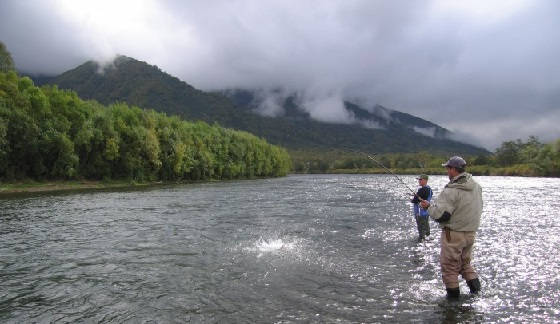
(274, 245)
(271, 246)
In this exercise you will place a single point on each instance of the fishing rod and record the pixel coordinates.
(396, 176)
(391, 172)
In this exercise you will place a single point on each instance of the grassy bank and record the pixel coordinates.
(517, 170)
(29, 186)
(24, 187)
(12, 188)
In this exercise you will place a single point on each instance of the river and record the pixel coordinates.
(304, 248)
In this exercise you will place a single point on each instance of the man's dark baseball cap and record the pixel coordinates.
(455, 162)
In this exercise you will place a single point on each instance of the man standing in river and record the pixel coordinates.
(420, 214)
(457, 209)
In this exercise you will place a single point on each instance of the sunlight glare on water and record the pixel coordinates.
(305, 248)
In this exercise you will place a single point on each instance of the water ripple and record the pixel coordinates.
(321, 248)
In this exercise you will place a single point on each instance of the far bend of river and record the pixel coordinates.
(304, 248)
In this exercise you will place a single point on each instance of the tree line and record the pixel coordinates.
(49, 133)
(523, 158)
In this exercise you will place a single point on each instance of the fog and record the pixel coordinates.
(486, 70)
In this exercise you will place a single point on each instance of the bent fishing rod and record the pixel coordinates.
(389, 171)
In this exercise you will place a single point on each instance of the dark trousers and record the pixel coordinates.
(423, 224)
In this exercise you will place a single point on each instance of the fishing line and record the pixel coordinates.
(389, 171)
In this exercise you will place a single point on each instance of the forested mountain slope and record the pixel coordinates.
(48, 133)
(137, 83)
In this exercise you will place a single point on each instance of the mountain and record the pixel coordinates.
(379, 117)
(376, 130)
(143, 85)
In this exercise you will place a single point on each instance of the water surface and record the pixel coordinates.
(305, 248)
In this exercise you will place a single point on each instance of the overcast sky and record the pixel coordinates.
(487, 69)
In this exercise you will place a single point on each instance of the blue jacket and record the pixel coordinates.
(426, 194)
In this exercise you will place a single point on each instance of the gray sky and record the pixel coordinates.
(487, 69)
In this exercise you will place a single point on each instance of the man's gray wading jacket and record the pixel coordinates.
(462, 199)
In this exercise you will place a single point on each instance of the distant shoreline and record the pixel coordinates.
(478, 170)
(30, 187)
(9, 189)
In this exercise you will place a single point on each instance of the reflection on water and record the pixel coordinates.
(324, 248)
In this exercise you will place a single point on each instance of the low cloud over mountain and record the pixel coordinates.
(483, 68)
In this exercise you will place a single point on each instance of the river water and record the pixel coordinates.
(304, 248)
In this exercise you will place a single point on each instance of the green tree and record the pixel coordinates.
(6, 61)
(529, 150)
(548, 159)
(51, 133)
(508, 153)
(481, 159)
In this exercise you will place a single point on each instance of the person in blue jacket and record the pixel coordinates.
(421, 214)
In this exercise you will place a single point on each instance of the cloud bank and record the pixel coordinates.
(487, 69)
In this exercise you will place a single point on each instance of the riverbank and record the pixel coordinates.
(521, 170)
(24, 187)
(32, 187)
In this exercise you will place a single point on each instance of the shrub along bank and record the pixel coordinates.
(512, 158)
